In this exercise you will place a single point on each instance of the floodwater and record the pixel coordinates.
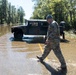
(4, 29)
(19, 57)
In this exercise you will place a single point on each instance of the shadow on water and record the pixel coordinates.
(35, 40)
(64, 41)
(54, 71)
(30, 40)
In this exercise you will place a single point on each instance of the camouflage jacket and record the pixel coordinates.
(53, 31)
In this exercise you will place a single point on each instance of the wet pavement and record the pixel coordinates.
(19, 57)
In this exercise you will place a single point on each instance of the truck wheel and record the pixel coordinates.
(18, 35)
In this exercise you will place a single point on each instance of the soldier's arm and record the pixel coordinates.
(53, 32)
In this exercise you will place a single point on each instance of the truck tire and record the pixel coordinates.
(18, 35)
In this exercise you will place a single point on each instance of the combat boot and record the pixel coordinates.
(40, 59)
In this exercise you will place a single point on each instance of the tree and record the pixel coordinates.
(3, 11)
(60, 9)
(41, 9)
(10, 14)
(21, 14)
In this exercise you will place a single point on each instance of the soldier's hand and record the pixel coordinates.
(46, 42)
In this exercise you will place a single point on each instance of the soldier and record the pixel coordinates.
(53, 42)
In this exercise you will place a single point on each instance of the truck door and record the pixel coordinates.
(34, 28)
(43, 28)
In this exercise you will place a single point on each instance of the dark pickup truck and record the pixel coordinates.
(33, 27)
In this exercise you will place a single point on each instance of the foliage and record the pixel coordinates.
(60, 9)
(21, 14)
(10, 14)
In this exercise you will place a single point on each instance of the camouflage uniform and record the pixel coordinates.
(54, 43)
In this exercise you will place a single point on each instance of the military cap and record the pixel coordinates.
(49, 16)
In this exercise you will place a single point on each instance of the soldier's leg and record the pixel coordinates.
(47, 50)
(59, 55)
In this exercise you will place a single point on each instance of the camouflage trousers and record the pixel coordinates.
(55, 46)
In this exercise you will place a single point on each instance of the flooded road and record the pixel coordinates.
(19, 57)
(4, 29)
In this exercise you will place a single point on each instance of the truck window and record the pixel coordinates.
(44, 24)
(33, 23)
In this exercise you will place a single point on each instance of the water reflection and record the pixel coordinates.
(30, 39)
